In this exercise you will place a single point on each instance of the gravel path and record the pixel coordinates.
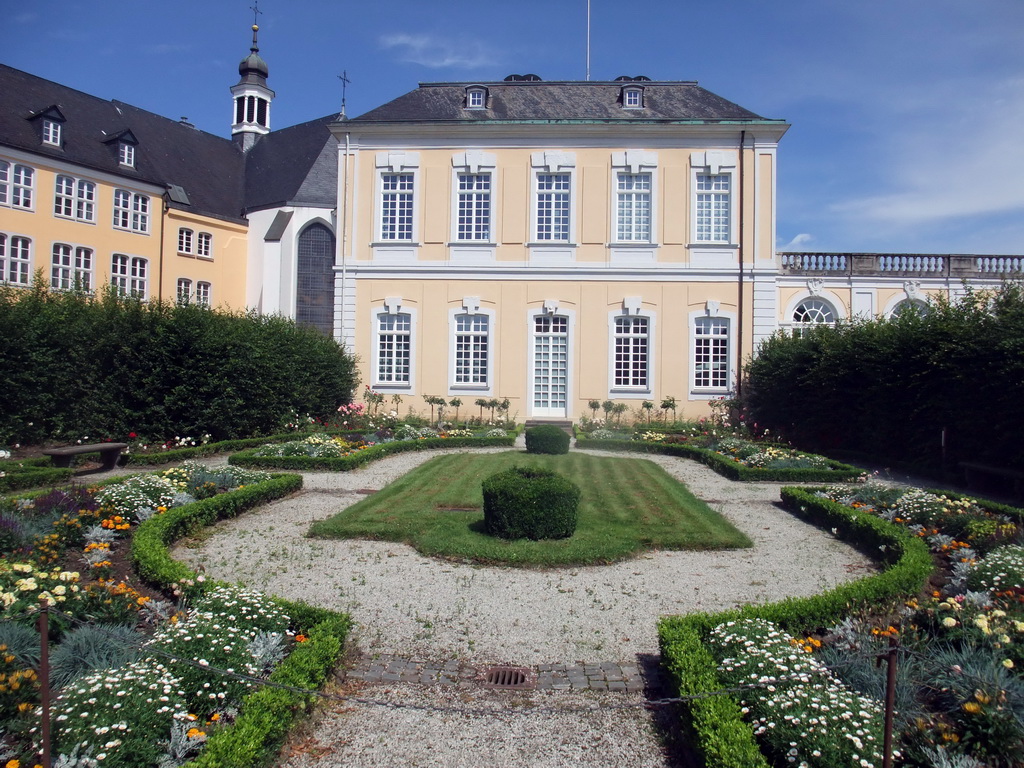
(412, 607)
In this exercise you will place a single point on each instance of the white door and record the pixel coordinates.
(550, 365)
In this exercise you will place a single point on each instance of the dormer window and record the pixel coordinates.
(476, 98)
(126, 154)
(632, 98)
(51, 132)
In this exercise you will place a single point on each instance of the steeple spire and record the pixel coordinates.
(251, 95)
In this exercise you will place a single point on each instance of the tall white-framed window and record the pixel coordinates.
(550, 374)
(630, 350)
(17, 192)
(126, 154)
(51, 132)
(183, 292)
(632, 98)
(476, 98)
(633, 207)
(553, 206)
(713, 207)
(711, 354)
(131, 211)
(204, 293)
(394, 340)
(15, 259)
(186, 240)
(396, 206)
(473, 206)
(75, 199)
(470, 348)
(128, 274)
(71, 267)
(204, 245)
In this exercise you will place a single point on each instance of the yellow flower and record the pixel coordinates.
(973, 707)
(13, 764)
(1008, 663)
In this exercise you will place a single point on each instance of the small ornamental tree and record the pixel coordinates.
(530, 503)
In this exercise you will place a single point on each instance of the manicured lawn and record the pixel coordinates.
(627, 506)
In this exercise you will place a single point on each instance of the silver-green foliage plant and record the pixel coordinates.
(89, 648)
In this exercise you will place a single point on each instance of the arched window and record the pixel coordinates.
(814, 312)
(910, 305)
(314, 301)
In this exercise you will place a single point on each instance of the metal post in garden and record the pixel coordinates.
(44, 677)
(890, 699)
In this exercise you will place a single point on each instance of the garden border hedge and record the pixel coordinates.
(223, 446)
(721, 735)
(365, 455)
(266, 714)
(723, 465)
(30, 473)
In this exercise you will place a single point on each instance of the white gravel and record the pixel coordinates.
(426, 609)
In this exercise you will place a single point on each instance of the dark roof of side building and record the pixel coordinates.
(209, 168)
(294, 166)
(539, 101)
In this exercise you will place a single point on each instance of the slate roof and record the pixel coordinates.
(209, 168)
(294, 166)
(539, 101)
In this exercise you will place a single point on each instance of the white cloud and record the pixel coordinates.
(954, 156)
(429, 51)
(798, 243)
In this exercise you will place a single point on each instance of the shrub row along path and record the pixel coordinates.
(427, 629)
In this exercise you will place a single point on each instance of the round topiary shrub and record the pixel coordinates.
(530, 503)
(546, 439)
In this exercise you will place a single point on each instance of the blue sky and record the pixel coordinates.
(907, 115)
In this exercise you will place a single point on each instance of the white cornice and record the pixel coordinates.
(526, 272)
(57, 165)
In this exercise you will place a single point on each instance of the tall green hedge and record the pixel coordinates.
(892, 388)
(105, 366)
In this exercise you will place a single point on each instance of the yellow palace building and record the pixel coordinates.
(547, 242)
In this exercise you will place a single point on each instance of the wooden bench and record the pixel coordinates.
(109, 454)
(974, 471)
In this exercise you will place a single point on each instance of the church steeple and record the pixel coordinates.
(251, 95)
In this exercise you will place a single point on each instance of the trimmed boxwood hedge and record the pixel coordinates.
(31, 473)
(269, 712)
(721, 735)
(364, 455)
(837, 471)
(530, 503)
(547, 438)
(223, 446)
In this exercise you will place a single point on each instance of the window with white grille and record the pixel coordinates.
(553, 200)
(711, 353)
(394, 348)
(71, 267)
(633, 207)
(474, 206)
(472, 350)
(128, 275)
(396, 206)
(632, 352)
(714, 208)
(15, 259)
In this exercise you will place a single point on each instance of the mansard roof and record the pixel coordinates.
(570, 101)
(209, 168)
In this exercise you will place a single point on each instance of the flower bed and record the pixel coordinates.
(222, 627)
(741, 459)
(962, 647)
(29, 473)
(342, 456)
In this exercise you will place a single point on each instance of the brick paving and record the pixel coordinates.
(629, 677)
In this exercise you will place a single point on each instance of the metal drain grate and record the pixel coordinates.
(515, 678)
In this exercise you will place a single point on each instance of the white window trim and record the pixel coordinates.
(12, 186)
(715, 163)
(207, 300)
(200, 236)
(552, 308)
(126, 154)
(5, 269)
(633, 161)
(189, 247)
(179, 296)
(74, 270)
(395, 163)
(133, 215)
(474, 162)
(52, 132)
(473, 91)
(838, 307)
(394, 306)
(131, 260)
(631, 308)
(551, 162)
(77, 198)
(626, 91)
(471, 308)
(710, 393)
